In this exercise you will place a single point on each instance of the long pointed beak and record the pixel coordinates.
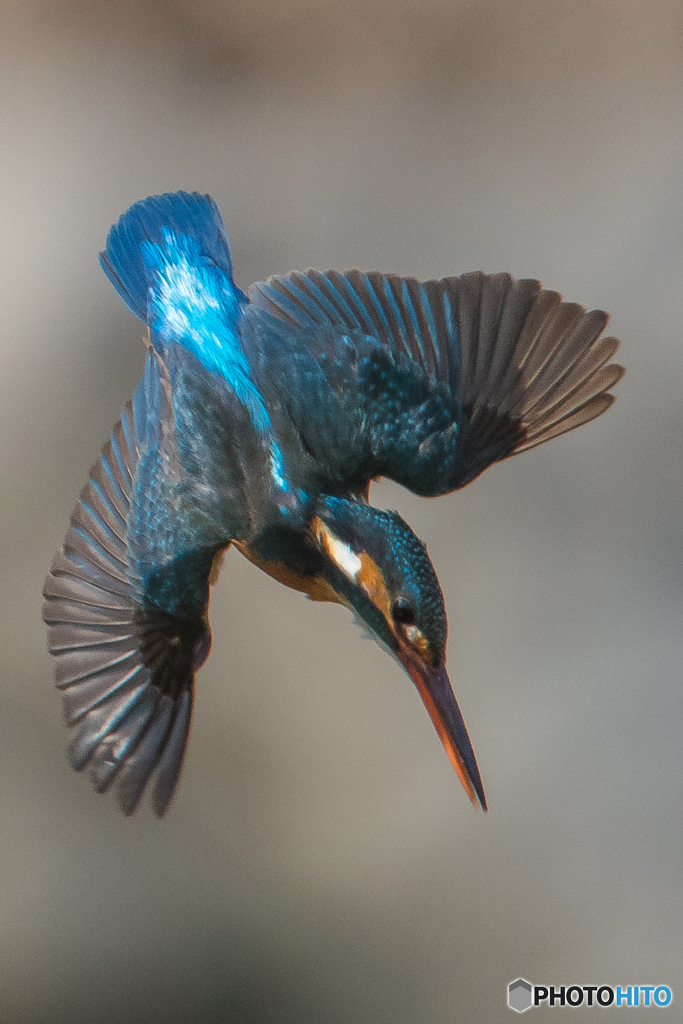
(436, 691)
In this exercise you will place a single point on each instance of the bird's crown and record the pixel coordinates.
(376, 560)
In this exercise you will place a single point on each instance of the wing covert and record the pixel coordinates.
(126, 606)
(427, 382)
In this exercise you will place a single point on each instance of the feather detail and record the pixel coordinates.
(131, 718)
(476, 368)
(148, 222)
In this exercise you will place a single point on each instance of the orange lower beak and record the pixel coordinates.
(437, 693)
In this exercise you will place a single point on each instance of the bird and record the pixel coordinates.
(260, 422)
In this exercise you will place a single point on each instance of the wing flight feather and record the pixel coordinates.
(472, 369)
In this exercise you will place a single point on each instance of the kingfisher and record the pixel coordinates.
(260, 422)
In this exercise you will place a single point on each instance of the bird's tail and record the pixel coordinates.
(161, 221)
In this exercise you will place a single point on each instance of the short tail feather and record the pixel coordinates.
(183, 213)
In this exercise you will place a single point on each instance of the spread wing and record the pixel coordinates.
(424, 382)
(126, 596)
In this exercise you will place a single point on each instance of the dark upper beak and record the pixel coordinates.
(437, 693)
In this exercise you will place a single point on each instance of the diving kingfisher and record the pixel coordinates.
(260, 421)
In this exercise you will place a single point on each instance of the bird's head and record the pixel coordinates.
(378, 567)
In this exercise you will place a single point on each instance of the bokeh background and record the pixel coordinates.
(321, 862)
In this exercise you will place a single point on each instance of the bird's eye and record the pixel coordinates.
(403, 611)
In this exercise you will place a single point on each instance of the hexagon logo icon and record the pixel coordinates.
(519, 995)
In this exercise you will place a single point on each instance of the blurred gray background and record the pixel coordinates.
(321, 862)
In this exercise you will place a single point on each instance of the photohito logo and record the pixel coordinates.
(522, 995)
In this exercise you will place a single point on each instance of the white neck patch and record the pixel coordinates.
(341, 554)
